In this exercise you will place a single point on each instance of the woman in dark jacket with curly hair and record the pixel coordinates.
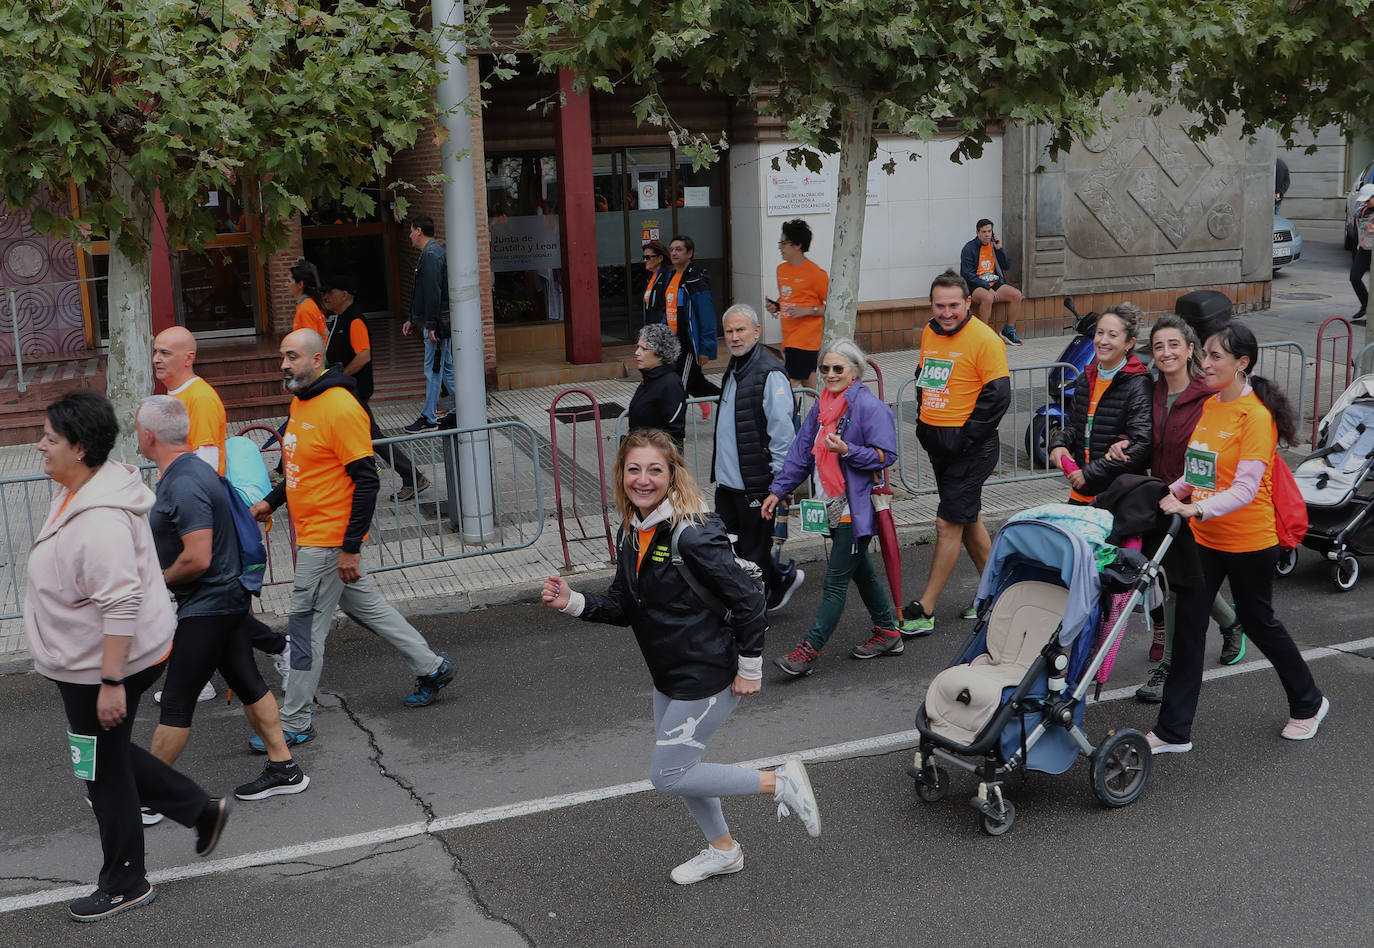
(1112, 400)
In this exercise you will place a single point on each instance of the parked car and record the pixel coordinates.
(1352, 204)
(1287, 242)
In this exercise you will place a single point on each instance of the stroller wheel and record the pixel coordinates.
(999, 827)
(1121, 768)
(1288, 561)
(1345, 572)
(932, 789)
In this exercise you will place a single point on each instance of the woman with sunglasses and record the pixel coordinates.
(657, 267)
(847, 438)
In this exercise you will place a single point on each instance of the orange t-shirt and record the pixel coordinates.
(209, 423)
(670, 301)
(987, 264)
(805, 284)
(954, 369)
(1099, 387)
(309, 316)
(358, 337)
(323, 434)
(1226, 434)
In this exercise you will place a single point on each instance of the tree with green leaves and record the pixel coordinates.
(835, 72)
(307, 101)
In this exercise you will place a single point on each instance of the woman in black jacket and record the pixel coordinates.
(659, 401)
(1112, 400)
(701, 662)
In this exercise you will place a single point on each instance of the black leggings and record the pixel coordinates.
(1359, 269)
(1252, 582)
(125, 776)
(203, 645)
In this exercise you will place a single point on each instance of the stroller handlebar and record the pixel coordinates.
(1175, 525)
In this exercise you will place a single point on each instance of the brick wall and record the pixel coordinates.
(281, 302)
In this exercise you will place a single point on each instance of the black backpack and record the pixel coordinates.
(748, 567)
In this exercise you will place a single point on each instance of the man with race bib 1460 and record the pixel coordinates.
(964, 389)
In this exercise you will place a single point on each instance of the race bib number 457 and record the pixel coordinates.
(935, 374)
(1200, 468)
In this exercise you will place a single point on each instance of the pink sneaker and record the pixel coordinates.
(1304, 729)
(1160, 746)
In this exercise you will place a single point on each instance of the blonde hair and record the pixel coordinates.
(688, 502)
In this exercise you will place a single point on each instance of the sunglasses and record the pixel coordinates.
(833, 369)
(652, 256)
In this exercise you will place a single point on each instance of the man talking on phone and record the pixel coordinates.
(983, 265)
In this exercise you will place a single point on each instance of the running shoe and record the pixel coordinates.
(1358, 319)
(211, 824)
(1152, 692)
(795, 796)
(1232, 644)
(1304, 729)
(1161, 746)
(292, 738)
(970, 612)
(100, 905)
(915, 621)
(277, 777)
(1010, 336)
(883, 642)
(707, 863)
(149, 817)
(427, 687)
(783, 594)
(420, 424)
(206, 693)
(799, 661)
(408, 491)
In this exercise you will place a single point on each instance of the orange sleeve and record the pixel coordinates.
(357, 336)
(1258, 438)
(993, 361)
(350, 435)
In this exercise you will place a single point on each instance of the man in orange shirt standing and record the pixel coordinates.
(802, 289)
(964, 389)
(983, 265)
(174, 360)
(331, 491)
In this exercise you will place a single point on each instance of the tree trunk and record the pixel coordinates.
(856, 146)
(129, 372)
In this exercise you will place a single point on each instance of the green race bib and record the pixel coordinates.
(1200, 468)
(935, 374)
(83, 755)
(813, 518)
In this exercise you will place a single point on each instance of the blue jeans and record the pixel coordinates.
(434, 377)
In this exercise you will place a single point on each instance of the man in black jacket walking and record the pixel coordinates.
(429, 311)
(753, 433)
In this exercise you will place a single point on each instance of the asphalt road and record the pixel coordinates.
(1247, 840)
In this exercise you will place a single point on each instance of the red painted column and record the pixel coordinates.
(163, 303)
(577, 225)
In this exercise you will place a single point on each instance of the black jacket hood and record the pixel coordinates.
(332, 377)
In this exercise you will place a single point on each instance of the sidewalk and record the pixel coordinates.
(497, 578)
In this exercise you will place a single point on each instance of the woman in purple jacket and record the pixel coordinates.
(847, 438)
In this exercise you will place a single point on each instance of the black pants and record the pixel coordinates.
(755, 543)
(203, 645)
(126, 776)
(1359, 269)
(694, 381)
(391, 453)
(1252, 581)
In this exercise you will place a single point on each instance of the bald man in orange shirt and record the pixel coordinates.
(174, 361)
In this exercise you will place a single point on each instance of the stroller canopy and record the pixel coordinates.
(1362, 387)
(1045, 545)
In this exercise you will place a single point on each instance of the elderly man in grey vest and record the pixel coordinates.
(754, 429)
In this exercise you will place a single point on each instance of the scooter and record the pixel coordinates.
(1051, 416)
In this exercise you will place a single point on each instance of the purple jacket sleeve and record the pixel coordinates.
(799, 462)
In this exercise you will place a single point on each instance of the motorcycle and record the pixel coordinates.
(1050, 417)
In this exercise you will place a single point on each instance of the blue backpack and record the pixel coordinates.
(252, 552)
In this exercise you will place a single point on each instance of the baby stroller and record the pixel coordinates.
(1336, 487)
(1014, 699)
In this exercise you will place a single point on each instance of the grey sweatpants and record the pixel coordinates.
(681, 729)
(317, 592)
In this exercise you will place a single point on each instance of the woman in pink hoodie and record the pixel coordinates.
(99, 623)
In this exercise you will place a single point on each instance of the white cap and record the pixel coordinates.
(1365, 193)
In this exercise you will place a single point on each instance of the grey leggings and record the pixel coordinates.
(681, 730)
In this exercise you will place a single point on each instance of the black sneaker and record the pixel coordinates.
(428, 687)
(1010, 337)
(783, 594)
(211, 824)
(883, 642)
(100, 905)
(1232, 644)
(1357, 318)
(276, 778)
(420, 424)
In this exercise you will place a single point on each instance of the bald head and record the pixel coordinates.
(302, 359)
(174, 357)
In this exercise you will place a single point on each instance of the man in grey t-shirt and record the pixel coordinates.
(197, 546)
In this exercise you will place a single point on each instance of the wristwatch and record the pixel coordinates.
(112, 682)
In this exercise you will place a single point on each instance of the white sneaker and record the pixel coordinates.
(1160, 746)
(707, 863)
(150, 817)
(1304, 729)
(794, 795)
(207, 692)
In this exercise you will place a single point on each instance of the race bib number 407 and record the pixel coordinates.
(1200, 468)
(935, 374)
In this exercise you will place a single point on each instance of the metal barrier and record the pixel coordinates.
(573, 416)
(1345, 333)
(1276, 363)
(1024, 432)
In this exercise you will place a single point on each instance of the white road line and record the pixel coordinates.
(868, 745)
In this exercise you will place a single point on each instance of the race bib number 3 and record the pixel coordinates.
(1200, 468)
(813, 518)
(935, 374)
(83, 755)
